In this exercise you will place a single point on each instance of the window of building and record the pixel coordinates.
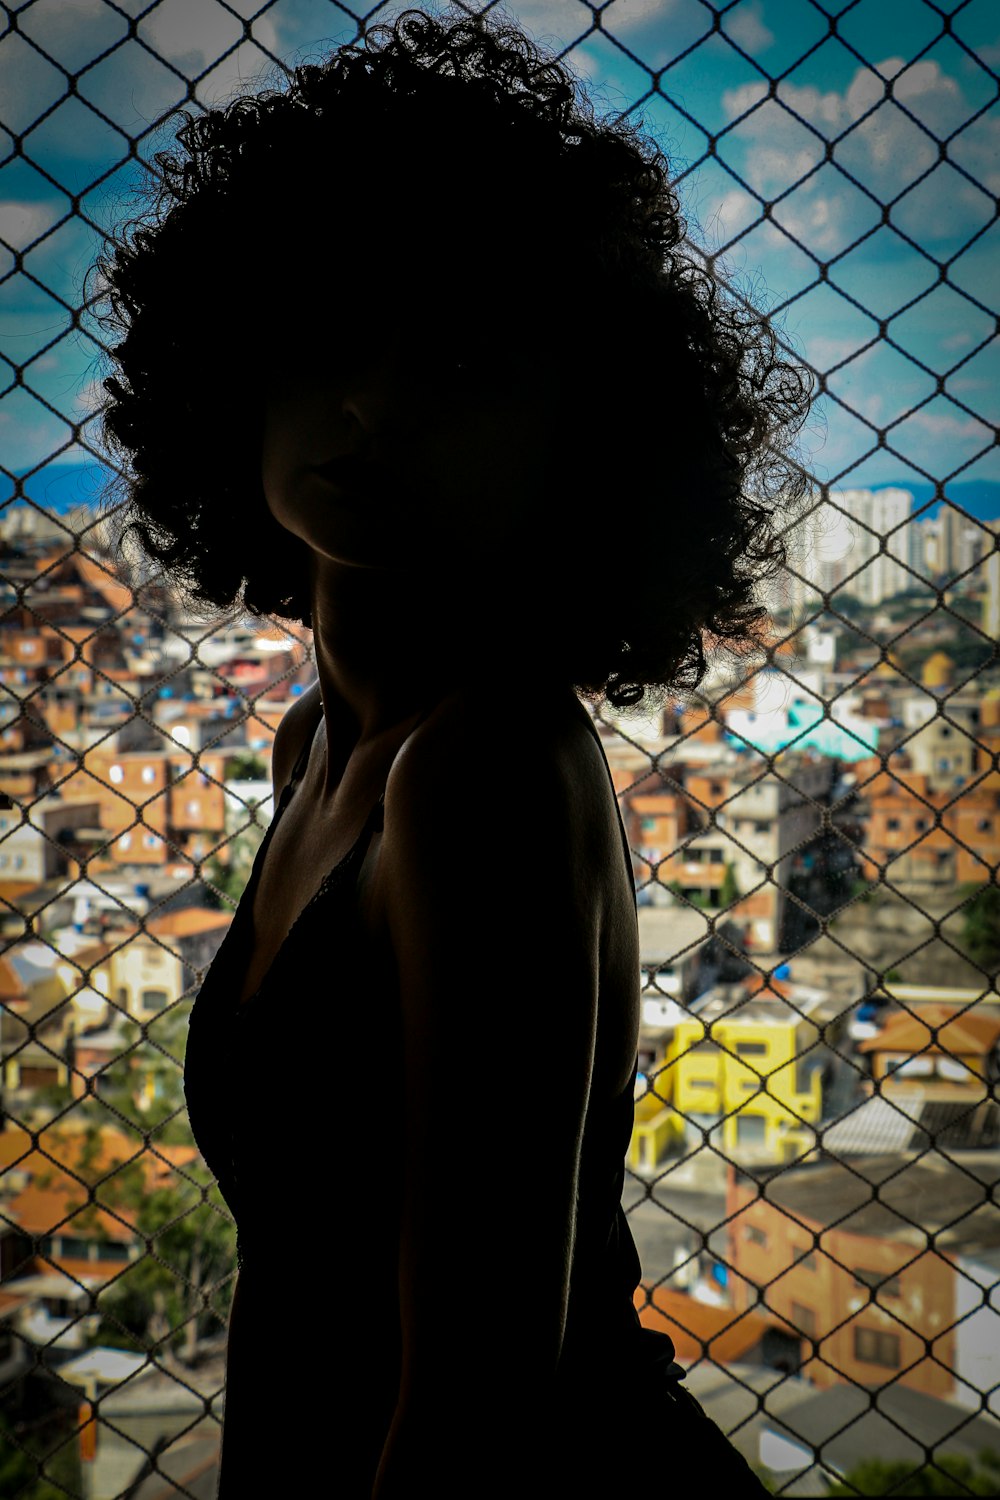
(984, 825)
(761, 827)
(806, 1065)
(755, 1235)
(873, 1347)
(125, 842)
(193, 808)
(892, 824)
(701, 1083)
(150, 840)
(751, 1049)
(903, 1065)
(751, 1129)
(116, 774)
(809, 1262)
(148, 774)
(154, 999)
(803, 1318)
(112, 1250)
(886, 1286)
(920, 824)
(715, 856)
(72, 1247)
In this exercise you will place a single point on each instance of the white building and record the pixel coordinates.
(976, 1360)
(874, 517)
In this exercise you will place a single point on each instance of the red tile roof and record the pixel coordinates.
(958, 1031)
(697, 1328)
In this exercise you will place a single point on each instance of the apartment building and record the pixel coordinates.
(843, 1256)
(722, 835)
(925, 838)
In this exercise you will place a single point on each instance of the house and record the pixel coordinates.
(926, 838)
(723, 835)
(195, 933)
(48, 1202)
(746, 1070)
(701, 1331)
(864, 1261)
(938, 1065)
(681, 958)
(50, 838)
(37, 1024)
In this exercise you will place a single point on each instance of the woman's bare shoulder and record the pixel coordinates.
(540, 768)
(296, 729)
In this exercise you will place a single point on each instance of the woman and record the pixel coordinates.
(403, 348)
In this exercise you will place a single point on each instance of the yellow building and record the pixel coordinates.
(747, 1071)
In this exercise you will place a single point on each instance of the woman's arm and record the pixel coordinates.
(495, 919)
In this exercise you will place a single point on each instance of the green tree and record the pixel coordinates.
(180, 1290)
(950, 1474)
(729, 891)
(245, 767)
(144, 1082)
(981, 928)
(20, 1466)
(231, 875)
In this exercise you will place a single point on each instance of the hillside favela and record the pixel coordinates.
(810, 1183)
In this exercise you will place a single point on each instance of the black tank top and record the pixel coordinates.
(293, 1100)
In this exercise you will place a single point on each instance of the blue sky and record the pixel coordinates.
(828, 116)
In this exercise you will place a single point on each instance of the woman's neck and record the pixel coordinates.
(385, 649)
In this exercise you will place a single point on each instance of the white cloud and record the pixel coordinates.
(746, 26)
(735, 211)
(194, 35)
(21, 223)
(824, 222)
(924, 87)
(826, 350)
(877, 143)
(942, 424)
(561, 21)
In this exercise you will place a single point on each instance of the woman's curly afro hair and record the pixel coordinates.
(447, 172)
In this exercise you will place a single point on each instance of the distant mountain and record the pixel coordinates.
(62, 487)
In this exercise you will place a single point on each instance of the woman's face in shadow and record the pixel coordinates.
(420, 452)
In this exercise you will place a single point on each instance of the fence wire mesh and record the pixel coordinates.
(814, 1164)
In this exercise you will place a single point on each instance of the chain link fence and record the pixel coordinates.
(814, 1165)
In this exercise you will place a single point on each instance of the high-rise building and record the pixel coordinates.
(875, 565)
